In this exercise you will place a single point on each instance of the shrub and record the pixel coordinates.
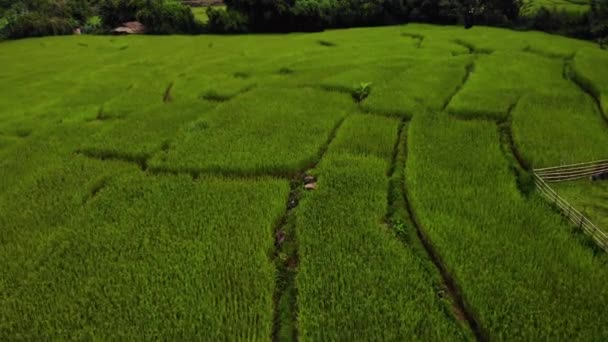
(159, 16)
(563, 22)
(598, 17)
(362, 91)
(225, 21)
(167, 17)
(34, 24)
(116, 12)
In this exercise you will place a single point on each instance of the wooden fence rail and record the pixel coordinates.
(570, 172)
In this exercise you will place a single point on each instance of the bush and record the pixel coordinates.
(115, 12)
(561, 22)
(314, 15)
(34, 24)
(159, 16)
(225, 21)
(362, 91)
(167, 17)
(598, 17)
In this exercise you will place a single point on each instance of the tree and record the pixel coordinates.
(598, 19)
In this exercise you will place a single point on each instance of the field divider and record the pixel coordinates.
(285, 258)
(469, 68)
(285, 255)
(569, 211)
(452, 287)
(459, 303)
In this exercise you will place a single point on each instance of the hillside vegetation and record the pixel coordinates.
(154, 187)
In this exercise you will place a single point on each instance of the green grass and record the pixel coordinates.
(593, 79)
(504, 249)
(576, 132)
(143, 250)
(142, 179)
(356, 280)
(267, 131)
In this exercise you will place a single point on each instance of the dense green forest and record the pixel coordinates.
(25, 18)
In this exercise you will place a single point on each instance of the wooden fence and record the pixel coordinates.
(571, 172)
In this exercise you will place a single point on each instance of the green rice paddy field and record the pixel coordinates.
(572, 6)
(153, 187)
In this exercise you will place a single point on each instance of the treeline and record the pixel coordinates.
(34, 18)
(314, 15)
(592, 25)
(26, 18)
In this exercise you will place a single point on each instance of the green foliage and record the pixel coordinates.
(599, 18)
(159, 16)
(362, 91)
(116, 12)
(167, 17)
(314, 15)
(221, 20)
(35, 18)
(34, 24)
(530, 7)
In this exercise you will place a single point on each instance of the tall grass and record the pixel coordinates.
(521, 268)
(264, 131)
(160, 257)
(97, 242)
(565, 128)
(356, 280)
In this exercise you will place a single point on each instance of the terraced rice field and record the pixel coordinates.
(230, 187)
(572, 6)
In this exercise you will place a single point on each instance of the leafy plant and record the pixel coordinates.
(362, 91)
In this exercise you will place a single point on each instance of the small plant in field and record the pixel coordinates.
(326, 43)
(399, 228)
(362, 91)
(241, 74)
(285, 71)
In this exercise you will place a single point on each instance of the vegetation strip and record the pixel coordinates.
(285, 258)
(140, 160)
(585, 88)
(460, 307)
(506, 127)
(286, 253)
